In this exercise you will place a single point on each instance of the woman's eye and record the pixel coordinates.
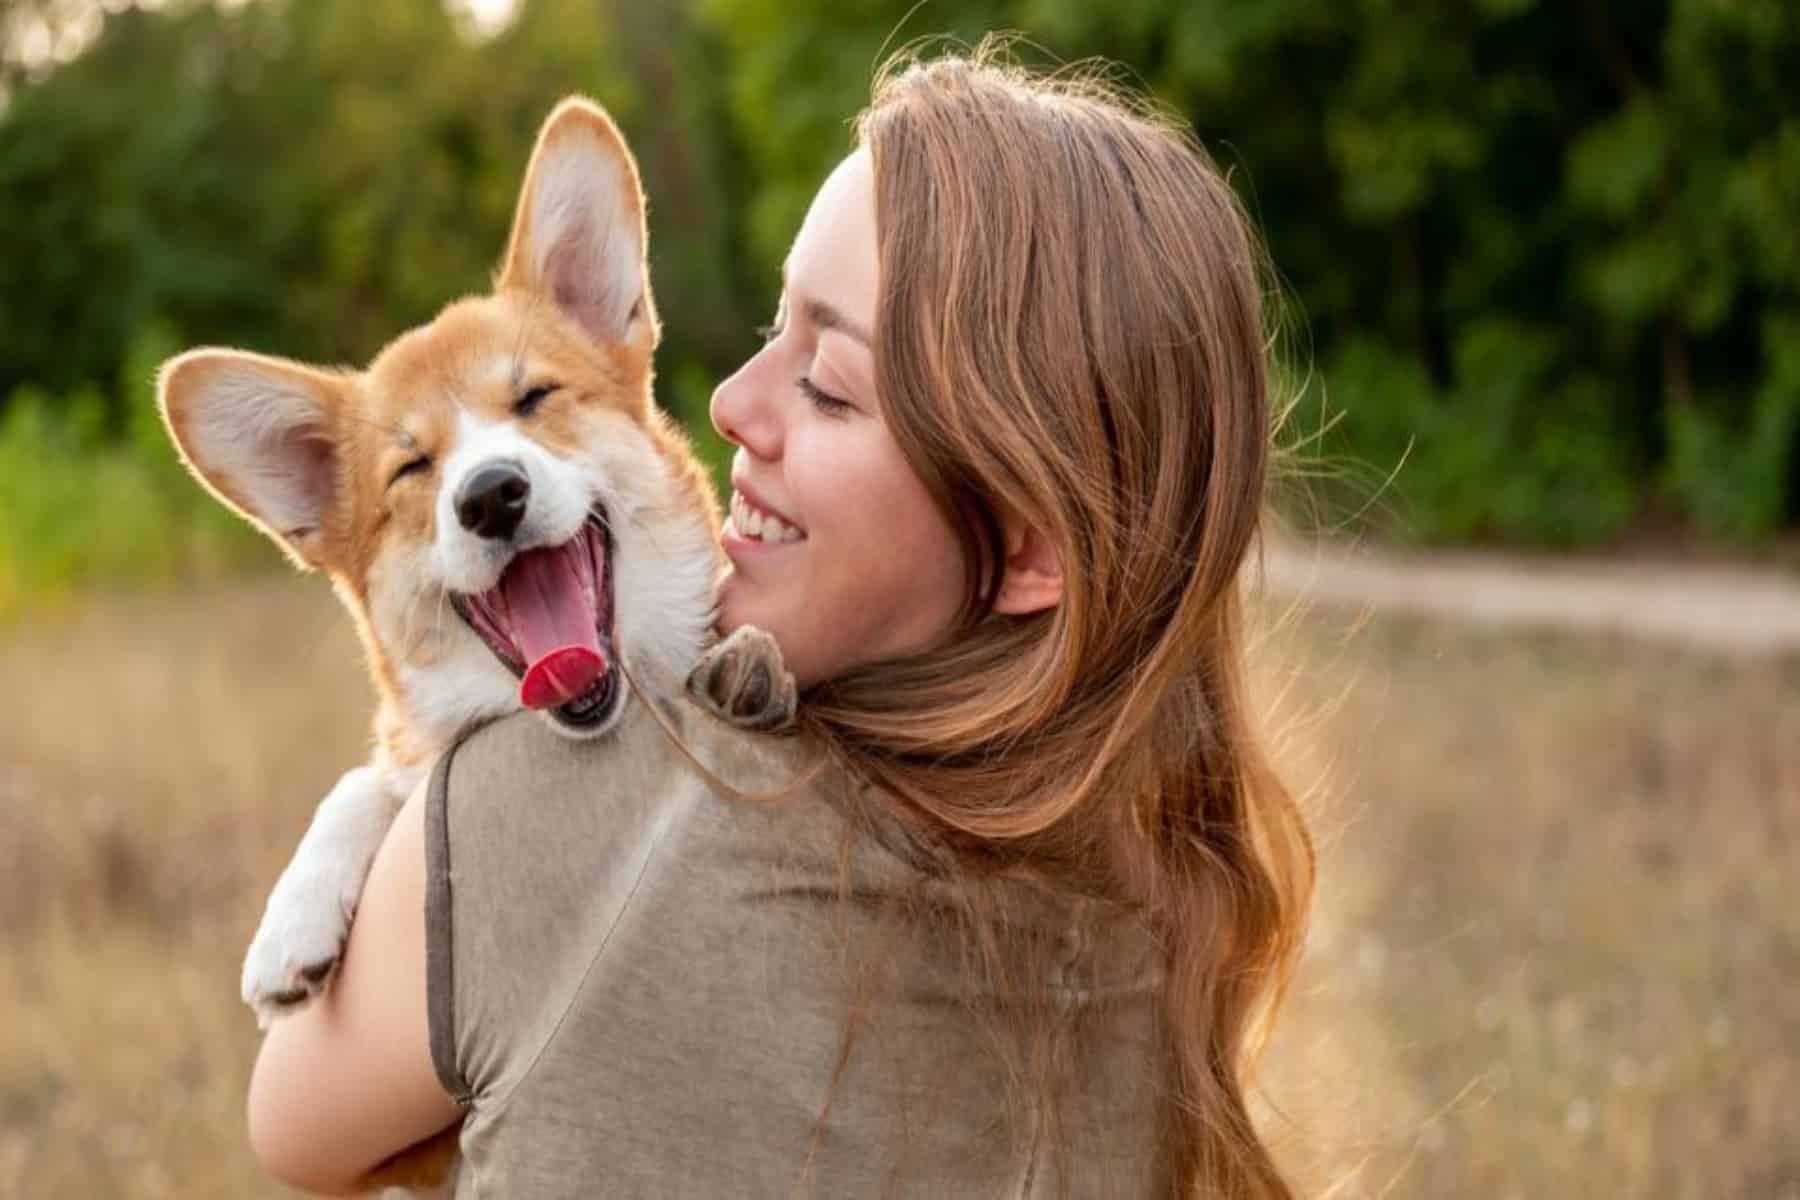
(412, 467)
(768, 333)
(527, 404)
(825, 402)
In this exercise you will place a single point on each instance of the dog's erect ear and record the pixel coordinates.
(578, 235)
(260, 434)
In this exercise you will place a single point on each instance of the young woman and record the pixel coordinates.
(1023, 936)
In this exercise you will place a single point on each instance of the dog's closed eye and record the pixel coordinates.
(527, 404)
(415, 466)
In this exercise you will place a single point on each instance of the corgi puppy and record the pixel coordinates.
(495, 498)
(508, 517)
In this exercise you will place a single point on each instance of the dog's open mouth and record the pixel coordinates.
(549, 620)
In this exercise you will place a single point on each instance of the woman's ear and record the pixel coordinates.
(1032, 580)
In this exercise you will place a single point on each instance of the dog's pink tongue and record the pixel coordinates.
(553, 622)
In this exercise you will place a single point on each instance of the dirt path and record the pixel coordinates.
(1732, 609)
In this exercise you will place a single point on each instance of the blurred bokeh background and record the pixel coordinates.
(1538, 268)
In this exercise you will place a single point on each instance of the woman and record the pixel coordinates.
(1023, 935)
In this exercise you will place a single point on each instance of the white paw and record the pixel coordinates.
(298, 944)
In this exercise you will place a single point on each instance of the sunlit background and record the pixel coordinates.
(1536, 304)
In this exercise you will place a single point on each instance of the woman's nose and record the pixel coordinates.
(744, 412)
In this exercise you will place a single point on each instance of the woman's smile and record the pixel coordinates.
(754, 521)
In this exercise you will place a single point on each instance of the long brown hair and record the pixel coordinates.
(1070, 330)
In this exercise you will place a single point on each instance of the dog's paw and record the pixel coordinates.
(743, 682)
(297, 946)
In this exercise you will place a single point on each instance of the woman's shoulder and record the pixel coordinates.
(517, 791)
(675, 750)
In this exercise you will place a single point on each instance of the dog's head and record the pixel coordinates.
(495, 496)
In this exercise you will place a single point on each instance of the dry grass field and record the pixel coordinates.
(1557, 951)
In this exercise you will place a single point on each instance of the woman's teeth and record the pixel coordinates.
(763, 527)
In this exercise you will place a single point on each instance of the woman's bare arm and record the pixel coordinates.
(348, 1081)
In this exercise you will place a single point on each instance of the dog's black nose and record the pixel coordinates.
(492, 500)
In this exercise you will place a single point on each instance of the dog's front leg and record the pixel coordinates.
(308, 915)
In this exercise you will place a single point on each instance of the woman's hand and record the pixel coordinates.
(347, 1081)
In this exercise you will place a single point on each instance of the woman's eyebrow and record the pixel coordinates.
(827, 317)
(824, 315)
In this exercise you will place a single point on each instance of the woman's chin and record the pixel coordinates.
(740, 603)
(736, 596)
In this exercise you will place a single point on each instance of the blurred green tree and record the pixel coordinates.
(1549, 248)
(309, 178)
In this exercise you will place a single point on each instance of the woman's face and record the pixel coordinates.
(857, 564)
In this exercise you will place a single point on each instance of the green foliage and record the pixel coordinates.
(310, 178)
(83, 505)
(1517, 449)
(1740, 482)
(1546, 253)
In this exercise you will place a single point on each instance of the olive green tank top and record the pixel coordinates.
(641, 988)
